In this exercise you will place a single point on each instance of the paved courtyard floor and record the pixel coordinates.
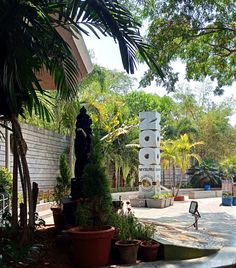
(216, 220)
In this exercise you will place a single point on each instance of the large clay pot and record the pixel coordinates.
(58, 217)
(128, 251)
(148, 250)
(91, 246)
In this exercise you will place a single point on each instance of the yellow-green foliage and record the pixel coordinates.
(5, 181)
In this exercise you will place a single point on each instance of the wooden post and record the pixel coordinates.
(23, 215)
(7, 147)
(15, 187)
(35, 191)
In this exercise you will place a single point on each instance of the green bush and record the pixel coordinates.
(206, 173)
(129, 226)
(62, 188)
(5, 181)
(162, 195)
(97, 204)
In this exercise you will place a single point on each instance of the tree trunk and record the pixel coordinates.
(7, 147)
(22, 148)
(180, 183)
(71, 153)
(14, 221)
(24, 191)
(173, 179)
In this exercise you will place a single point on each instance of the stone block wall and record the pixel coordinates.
(44, 150)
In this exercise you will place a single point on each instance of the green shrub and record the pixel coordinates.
(62, 188)
(5, 181)
(97, 204)
(129, 227)
(162, 195)
(226, 194)
(206, 173)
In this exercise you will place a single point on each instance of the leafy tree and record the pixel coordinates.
(200, 33)
(180, 127)
(139, 101)
(187, 103)
(185, 115)
(32, 25)
(105, 80)
(216, 133)
(185, 155)
(103, 92)
(228, 166)
(198, 115)
(169, 158)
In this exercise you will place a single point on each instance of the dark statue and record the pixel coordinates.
(82, 150)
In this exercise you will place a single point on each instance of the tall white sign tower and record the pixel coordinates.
(149, 154)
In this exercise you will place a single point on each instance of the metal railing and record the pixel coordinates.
(4, 205)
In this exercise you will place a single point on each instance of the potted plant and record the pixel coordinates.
(157, 201)
(61, 191)
(148, 248)
(234, 201)
(91, 239)
(169, 199)
(129, 231)
(227, 198)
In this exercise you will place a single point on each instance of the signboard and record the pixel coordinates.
(149, 154)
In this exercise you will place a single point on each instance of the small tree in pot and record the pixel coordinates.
(61, 190)
(92, 238)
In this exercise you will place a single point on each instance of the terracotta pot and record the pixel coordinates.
(148, 250)
(91, 247)
(58, 218)
(179, 198)
(114, 255)
(128, 250)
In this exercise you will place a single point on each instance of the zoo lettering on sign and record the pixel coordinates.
(149, 154)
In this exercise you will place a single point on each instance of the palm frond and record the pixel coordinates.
(110, 18)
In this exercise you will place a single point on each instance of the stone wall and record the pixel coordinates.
(44, 149)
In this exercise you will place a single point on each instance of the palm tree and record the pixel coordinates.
(185, 155)
(168, 158)
(179, 152)
(30, 41)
